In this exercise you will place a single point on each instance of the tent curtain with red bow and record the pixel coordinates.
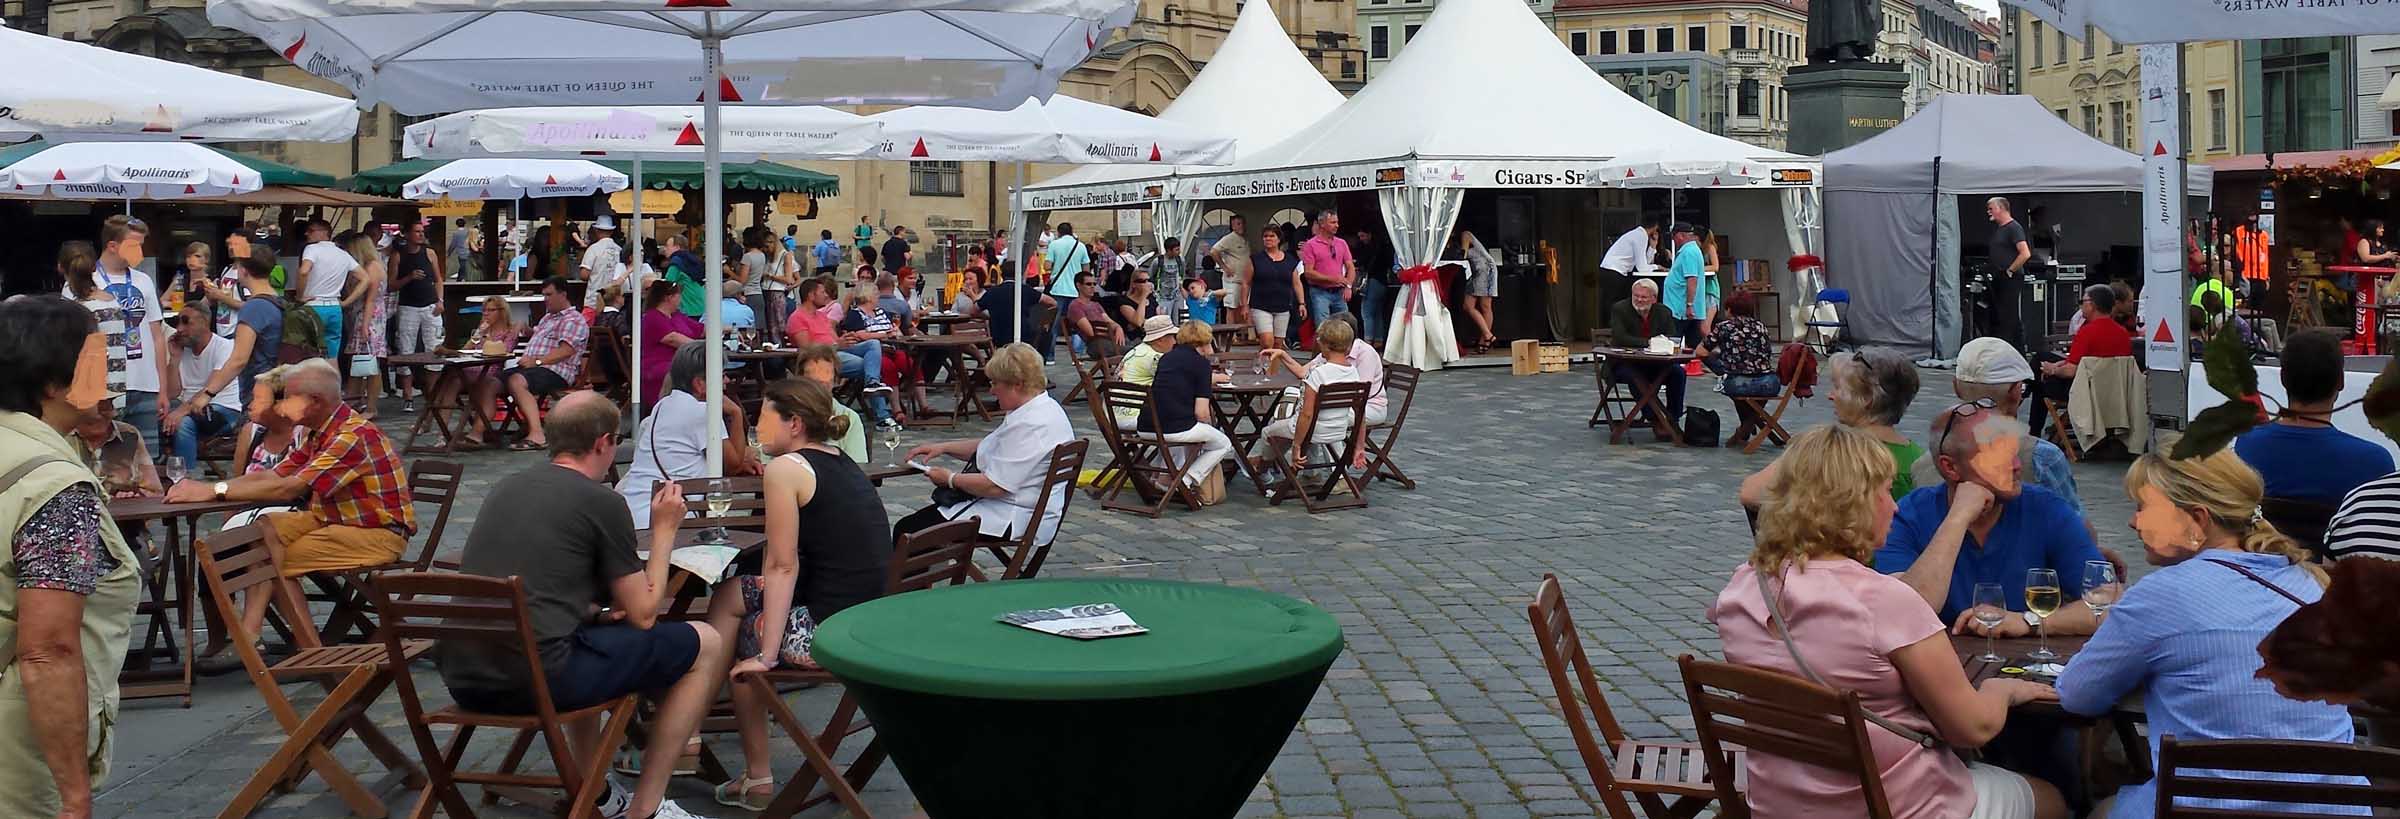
(1419, 220)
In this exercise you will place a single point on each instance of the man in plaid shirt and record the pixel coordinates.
(348, 476)
(553, 358)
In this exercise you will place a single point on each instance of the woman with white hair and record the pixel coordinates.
(1005, 469)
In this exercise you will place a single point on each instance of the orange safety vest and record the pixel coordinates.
(2250, 246)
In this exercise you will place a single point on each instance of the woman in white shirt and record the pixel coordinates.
(1010, 464)
(672, 443)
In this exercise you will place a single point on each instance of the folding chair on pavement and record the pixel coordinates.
(1021, 556)
(2239, 769)
(1399, 391)
(1616, 397)
(1776, 714)
(1147, 463)
(1090, 370)
(1333, 460)
(935, 556)
(490, 611)
(1764, 424)
(238, 560)
(1619, 766)
(433, 487)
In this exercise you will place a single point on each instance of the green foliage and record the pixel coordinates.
(2382, 403)
(2215, 427)
(2226, 359)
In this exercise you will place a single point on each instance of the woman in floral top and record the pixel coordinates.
(1737, 348)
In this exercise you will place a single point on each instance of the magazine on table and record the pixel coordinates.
(1091, 621)
(705, 560)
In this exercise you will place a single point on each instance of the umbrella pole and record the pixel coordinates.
(633, 302)
(1016, 176)
(712, 54)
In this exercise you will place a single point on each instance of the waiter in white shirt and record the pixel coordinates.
(603, 266)
(1632, 252)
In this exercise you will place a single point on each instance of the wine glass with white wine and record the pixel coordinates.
(719, 504)
(2041, 598)
(1991, 609)
(891, 446)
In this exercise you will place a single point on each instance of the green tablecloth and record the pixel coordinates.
(1202, 638)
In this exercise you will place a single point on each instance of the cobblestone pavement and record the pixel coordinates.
(1439, 706)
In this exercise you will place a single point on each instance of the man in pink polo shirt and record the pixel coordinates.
(1327, 268)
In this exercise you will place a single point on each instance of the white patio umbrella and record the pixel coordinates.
(643, 132)
(127, 171)
(436, 56)
(1060, 130)
(62, 90)
(514, 178)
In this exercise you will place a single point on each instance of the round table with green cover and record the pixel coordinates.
(984, 718)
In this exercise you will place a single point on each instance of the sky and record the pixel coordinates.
(1989, 7)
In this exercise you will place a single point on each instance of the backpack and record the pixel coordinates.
(303, 334)
(1797, 368)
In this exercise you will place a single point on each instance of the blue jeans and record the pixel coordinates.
(1057, 330)
(211, 420)
(1325, 301)
(330, 315)
(141, 410)
(865, 360)
(1762, 385)
(1374, 308)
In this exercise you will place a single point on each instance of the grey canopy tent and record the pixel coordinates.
(1892, 229)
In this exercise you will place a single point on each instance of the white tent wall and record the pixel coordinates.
(1947, 324)
(1418, 221)
(1757, 223)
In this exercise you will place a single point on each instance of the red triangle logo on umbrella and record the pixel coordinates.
(1154, 157)
(237, 180)
(158, 122)
(550, 180)
(487, 194)
(293, 53)
(919, 151)
(725, 92)
(2158, 149)
(1715, 181)
(1629, 173)
(2164, 335)
(690, 135)
(189, 190)
(1745, 170)
(59, 175)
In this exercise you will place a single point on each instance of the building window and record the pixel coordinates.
(2091, 121)
(2116, 124)
(1579, 43)
(1379, 42)
(1608, 42)
(2089, 36)
(2062, 114)
(1745, 103)
(935, 179)
(2115, 47)
(2298, 106)
(1635, 40)
(1666, 40)
(1408, 33)
(2036, 50)
(2061, 58)
(1737, 36)
(1695, 38)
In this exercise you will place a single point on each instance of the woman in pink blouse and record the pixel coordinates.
(1827, 509)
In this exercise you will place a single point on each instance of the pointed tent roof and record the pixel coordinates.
(1257, 61)
(1486, 80)
(1987, 144)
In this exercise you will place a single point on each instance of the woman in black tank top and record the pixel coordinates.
(828, 543)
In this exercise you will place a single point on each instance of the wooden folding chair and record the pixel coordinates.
(749, 510)
(433, 488)
(2214, 769)
(1021, 557)
(490, 611)
(934, 556)
(238, 561)
(1146, 462)
(608, 366)
(1647, 770)
(1334, 459)
(1399, 391)
(2062, 429)
(1615, 397)
(1090, 370)
(1765, 425)
(1111, 437)
(1769, 712)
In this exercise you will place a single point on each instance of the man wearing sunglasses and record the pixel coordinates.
(1993, 376)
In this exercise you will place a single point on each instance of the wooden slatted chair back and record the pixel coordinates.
(2231, 769)
(1769, 712)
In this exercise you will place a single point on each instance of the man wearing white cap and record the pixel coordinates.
(1140, 365)
(1992, 376)
(603, 268)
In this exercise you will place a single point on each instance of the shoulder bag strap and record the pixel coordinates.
(28, 467)
(1775, 611)
(2246, 572)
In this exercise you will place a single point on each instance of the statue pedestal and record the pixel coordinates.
(1837, 105)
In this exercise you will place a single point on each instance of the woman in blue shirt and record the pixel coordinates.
(2187, 636)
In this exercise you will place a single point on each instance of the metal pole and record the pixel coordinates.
(633, 303)
(1933, 273)
(712, 53)
(1016, 175)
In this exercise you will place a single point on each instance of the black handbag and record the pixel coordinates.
(951, 496)
(1700, 427)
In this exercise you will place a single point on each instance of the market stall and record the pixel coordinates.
(1902, 208)
(1534, 141)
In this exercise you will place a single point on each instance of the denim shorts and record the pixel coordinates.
(1762, 385)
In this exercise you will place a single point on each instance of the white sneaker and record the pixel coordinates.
(618, 801)
(670, 810)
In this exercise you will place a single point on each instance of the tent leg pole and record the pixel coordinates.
(633, 302)
(1933, 278)
(1016, 177)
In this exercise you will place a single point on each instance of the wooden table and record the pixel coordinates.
(171, 596)
(1229, 334)
(1246, 404)
(952, 347)
(931, 322)
(878, 473)
(2122, 718)
(453, 374)
(1649, 372)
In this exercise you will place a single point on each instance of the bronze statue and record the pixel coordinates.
(1841, 31)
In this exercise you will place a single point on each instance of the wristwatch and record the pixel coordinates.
(220, 488)
(2033, 620)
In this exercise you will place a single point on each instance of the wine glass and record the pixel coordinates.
(2041, 597)
(172, 470)
(891, 446)
(2100, 586)
(719, 504)
(1991, 608)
